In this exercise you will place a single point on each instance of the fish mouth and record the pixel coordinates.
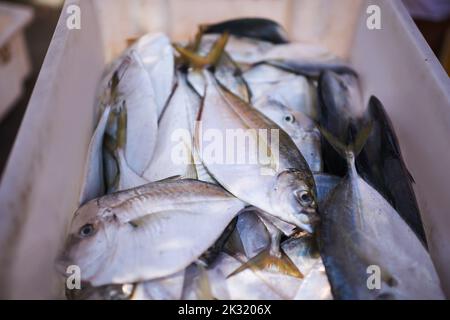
(308, 219)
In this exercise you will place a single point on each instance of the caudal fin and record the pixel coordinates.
(355, 140)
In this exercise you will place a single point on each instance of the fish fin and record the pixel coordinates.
(218, 48)
(204, 291)
(211, 59)
(171, 178)
(122, 127)
(356, 143)
(378, 114)
(264, 260)
(191, 171)
(234, 246)
(265, 141)
(361, 138)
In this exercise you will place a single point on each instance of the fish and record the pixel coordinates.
(340, 103)
(134, 118)
(117, 173)
(156, 53)
(147, 232)
(293, 91)
(381, 164)
(93, 185)
(360, 231)
(252, 54)
(254, 28)
(300, 128)
(309, 69)
(173, 151)
(288, 190)
(250, 235)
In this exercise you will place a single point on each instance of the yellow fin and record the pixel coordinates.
(265, 261)
(204, 291)
(201, 62)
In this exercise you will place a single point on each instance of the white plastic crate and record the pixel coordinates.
(40, 187)
(14, 60)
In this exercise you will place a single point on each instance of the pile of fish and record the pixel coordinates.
(161, 218)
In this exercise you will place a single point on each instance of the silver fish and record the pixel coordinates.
(284, 187)
(173, 152)
(132, 126)
(147, 232)
(293, 91)
(93, 185)
(360, 229)
(246, 51)
(156, 53)
(299, 127)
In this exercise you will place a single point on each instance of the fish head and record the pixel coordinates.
(294, 122)
(295, 197)
(89, 236)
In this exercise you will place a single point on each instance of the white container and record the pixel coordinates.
(40, 187)
(14, 60)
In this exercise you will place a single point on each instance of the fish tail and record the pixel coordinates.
(266, 261)
(355, 143)
(211, 59)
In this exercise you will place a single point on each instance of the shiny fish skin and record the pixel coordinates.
(156, 53)
(173, 152)
(292, 173)
(359, 228)
(136, 96)
(144, 233)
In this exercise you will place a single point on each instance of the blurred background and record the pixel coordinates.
(38, 24)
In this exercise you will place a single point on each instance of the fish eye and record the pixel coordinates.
(86, 230)
(304, 197)
(289, 118)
